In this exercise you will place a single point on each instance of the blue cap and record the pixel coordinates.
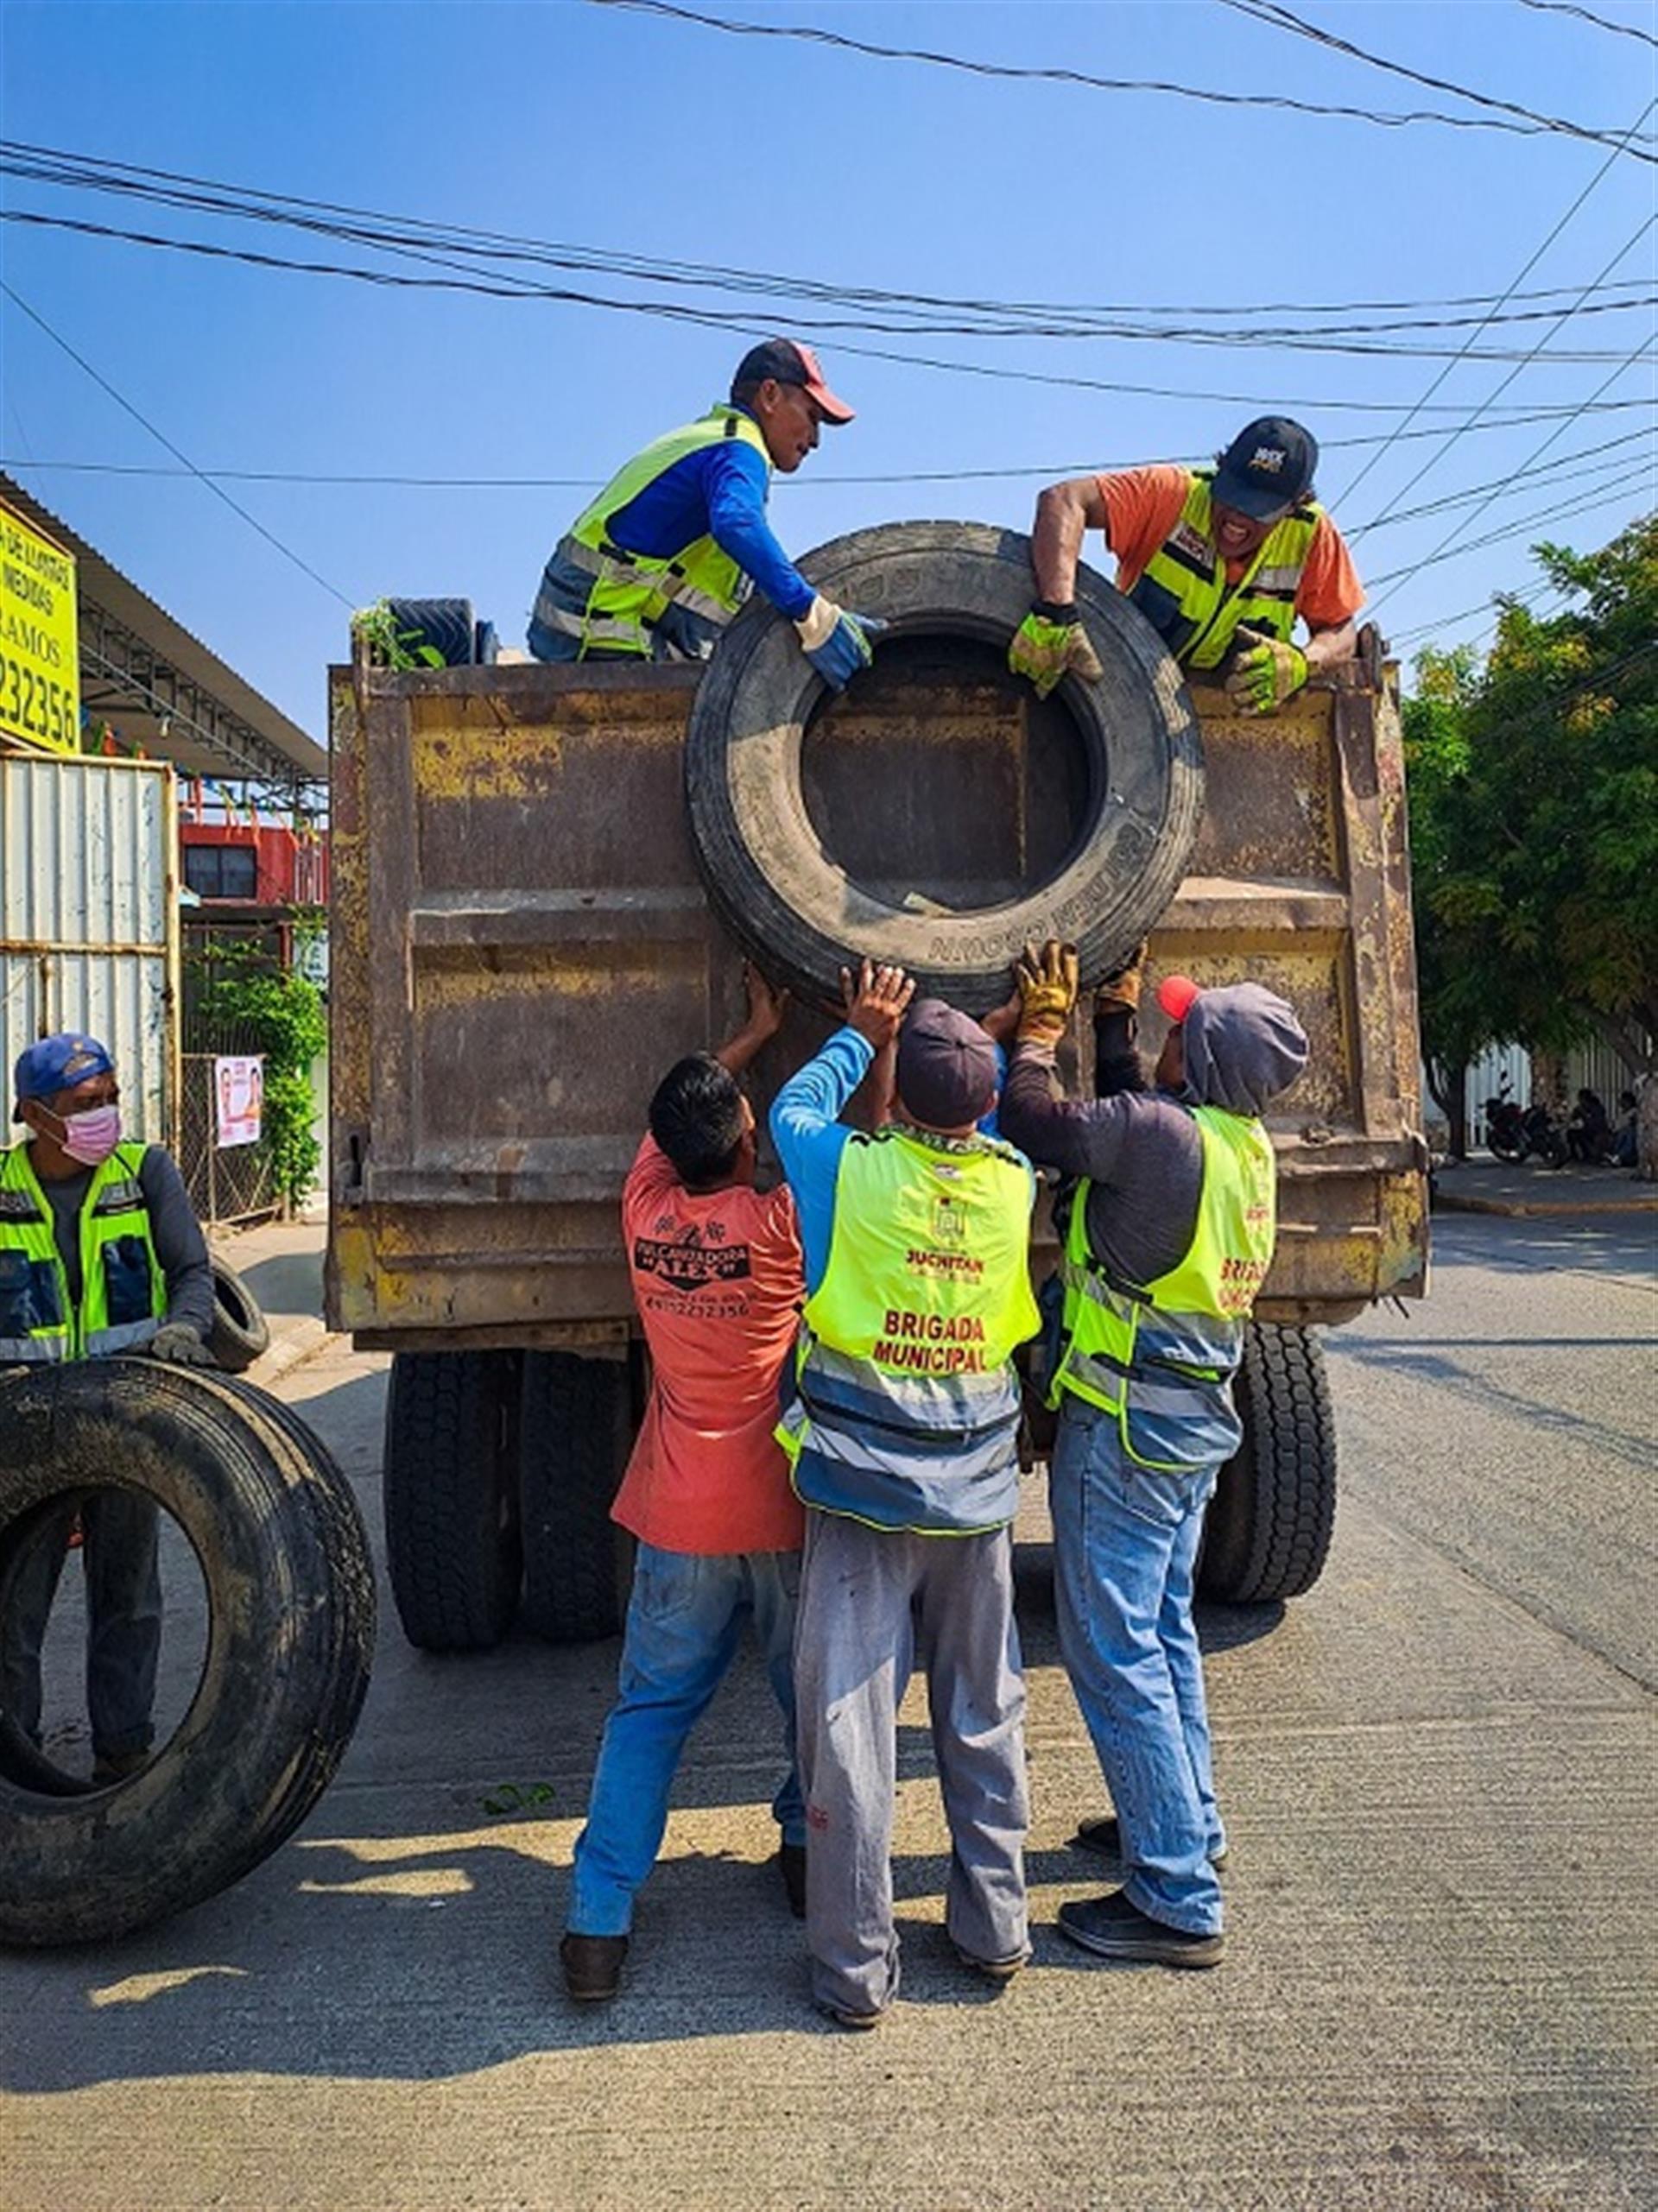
(56, 1064)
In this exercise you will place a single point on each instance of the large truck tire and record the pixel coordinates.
(1273, 1510)
(445, 626)
(576, 1430)
(796, 910)
(240, 1331)
(450, 1494)
(285, 1562)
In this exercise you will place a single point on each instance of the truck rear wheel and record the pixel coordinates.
(450, 1497)
(1270, 1521)
(577, 1429)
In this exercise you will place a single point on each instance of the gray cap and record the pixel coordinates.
(948, 1066)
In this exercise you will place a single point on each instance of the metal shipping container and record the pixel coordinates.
(89, 934)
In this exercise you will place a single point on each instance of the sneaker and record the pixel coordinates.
(1113, 1928)
(858, 2022)
(1105, 1838)
(593, 1966)
(993, 1969)
(791, 1864)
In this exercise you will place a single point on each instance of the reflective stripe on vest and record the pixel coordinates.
(123, 1291)
(631, 591)
(907, 1413)
(1183, 591)
(1160, 1357)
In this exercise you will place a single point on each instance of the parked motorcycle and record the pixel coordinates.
(1514, 1133)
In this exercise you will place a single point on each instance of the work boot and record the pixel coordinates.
(992, 1970)
(791, 1864)
(1113, 1928)
(593, 1966)
(858, 2022)
(1105, 1838)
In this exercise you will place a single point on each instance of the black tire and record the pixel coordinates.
(796, 909)
(486, 646)
(576, 1432)
(1270, 1521)
(285, 1561)
(1504, 1149)
(445, 625)
(450, 1494)
(240, 1330)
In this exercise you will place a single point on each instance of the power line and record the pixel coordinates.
(162, 439)
(1601, 22)
(1447, 548)
(1280, 18)
(1522, 121)
(1559, 471)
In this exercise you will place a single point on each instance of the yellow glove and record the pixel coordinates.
(1048, 991)
(1050, 640)
(1122, 986)
(1266, 675)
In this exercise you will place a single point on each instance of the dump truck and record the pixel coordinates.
(545, 879)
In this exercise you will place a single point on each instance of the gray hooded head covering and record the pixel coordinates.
(1243, 1046)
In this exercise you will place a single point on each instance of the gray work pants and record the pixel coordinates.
(872, 1603)
(120, 1531)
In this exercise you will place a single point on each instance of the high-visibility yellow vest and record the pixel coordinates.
(124, 1290)
(1159, 1356)
(1183, 591)
(908, 1407)
(630, 591)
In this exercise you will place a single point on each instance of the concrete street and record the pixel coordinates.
(1438, 1770)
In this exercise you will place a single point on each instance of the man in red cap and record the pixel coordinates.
(1168, 1228)
(660, 562)
(1220, 561)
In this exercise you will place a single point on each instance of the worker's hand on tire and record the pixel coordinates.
(1122, 986)
(177, 1345)
(1050, 643)
(876, 1001)
(837, 644)
(1266, 675)
(1047, 989)
(767, 1003)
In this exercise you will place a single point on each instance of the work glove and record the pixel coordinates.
(1265, 675)
(836, 643)
(1051, 639)
(1048, 991)
(1121, 987)
(177, 1343)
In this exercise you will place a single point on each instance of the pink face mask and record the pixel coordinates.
(92, 1136)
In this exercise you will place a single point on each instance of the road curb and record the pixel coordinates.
(1446, 1202)
(307, 1334)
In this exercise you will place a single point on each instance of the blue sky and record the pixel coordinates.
(617, 129)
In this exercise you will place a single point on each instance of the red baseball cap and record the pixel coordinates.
(1175, 994)
(789, 363)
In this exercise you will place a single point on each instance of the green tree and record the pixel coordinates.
(1533, 784)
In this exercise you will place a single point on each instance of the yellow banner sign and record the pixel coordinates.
(40, 661)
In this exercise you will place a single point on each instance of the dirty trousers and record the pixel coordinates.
(121, 1560)
(873, 1602)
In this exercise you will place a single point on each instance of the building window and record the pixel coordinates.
(221, 871)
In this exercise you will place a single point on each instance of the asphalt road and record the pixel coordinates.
(1438, 1770)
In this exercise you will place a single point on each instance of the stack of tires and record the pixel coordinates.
(285, 1561)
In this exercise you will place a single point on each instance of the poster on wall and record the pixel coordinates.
(40, 666)
(239, 1097)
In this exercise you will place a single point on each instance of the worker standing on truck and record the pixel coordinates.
(715, 1270)
(1220, 561)
(660, 562)
(100, 1253)
(1168, 1232)
(904, 1435)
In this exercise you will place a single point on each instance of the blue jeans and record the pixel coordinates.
(1125, 1544)
(684, 1621)
(120, 1531)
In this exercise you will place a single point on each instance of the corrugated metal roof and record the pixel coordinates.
(103, 586)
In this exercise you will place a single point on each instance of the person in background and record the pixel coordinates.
(904, 1436)
(100, 1253)
(1221, 562)
(1168, 1231)
(660, 562)
(1588, 1129)
(1624, 1139)
(716, 1271)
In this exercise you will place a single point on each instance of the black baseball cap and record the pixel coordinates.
(1267, 468)
(948, 1066)
(789, 363)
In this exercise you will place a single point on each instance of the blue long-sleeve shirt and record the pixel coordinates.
(810, 1140)
(720, 491)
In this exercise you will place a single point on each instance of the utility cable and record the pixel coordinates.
(1448, 550)
(1588, 14)
(162, 439)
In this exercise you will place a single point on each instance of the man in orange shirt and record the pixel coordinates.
(718, 1276)
(1220, 561)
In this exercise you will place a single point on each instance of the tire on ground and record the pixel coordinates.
(240, 1332)
(450, 1494)
(445, 625)
(285, 1561)
(797, 911)
(577, 1429)
(1269, 1523)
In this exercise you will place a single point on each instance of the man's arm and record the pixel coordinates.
(1328, 649)
(180, 1245)
(1077, 1136)
(767, 1006)
(1065, 513)
(737, 487)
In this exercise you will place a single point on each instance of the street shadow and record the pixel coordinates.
(284, 1282)
(1612, 1244)
(1445, 1370)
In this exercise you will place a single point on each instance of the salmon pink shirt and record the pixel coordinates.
(719, 1281)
